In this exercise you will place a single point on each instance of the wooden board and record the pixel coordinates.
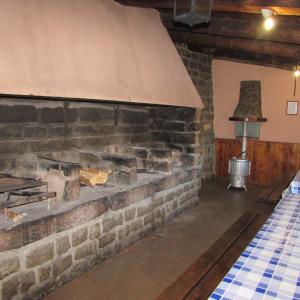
(276, 194)
(208, 284)
(180, 288)
(270, 160)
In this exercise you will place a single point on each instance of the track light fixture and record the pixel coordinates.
(268, 15)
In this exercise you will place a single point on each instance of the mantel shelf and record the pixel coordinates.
(248, 119)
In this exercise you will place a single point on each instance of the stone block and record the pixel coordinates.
(9, 266)
(27, 280)
(125, 198)
(14, 147)
(140, 152)
(45, 145)
(129, 214)
(111, 223)
(165, 183)
(10, 132)
(17, 114)
(140, 138)
(158, 201)
(132, 116)
(174, 126)
(136, 225)
(62, 245)
(107, 129)
(93, 143)
(84, 251)
(10, 287)
(161, 153)
(68, 143)
(192, 126)
(87, 130)
(52, 115)
(70, 115)
(107, 239)
(61, 264)
(182, 199)
(121, 234)
(126, 176)
(157, 213)
(162, 166)
(94, 231)
(189, 159)
(117, 139)
(44, 273)
(140, 129)
(59, 131)
(79, 236)
(94, 114)
(122, 129)
(40, 255)
(149, 219)
(178, 192)
(184, 138)
(127, 230)
(144, 210)
(175, 204)
(79, 268)
(169, 197)
(34, 131)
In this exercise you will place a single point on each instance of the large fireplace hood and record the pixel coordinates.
(91, 49)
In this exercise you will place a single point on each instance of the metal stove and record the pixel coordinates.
(239, 167)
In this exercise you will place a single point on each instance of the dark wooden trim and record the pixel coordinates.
(180, 288)
(206, 286)
(270, 160)
(282, 7)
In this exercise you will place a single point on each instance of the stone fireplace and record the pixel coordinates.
(153, 155)
(154, 152)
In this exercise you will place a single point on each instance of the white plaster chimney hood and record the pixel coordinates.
(90, 49)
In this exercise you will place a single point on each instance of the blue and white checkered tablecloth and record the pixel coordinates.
(295, 184)
(269, 268)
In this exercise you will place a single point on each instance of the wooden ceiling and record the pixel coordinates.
(236, 32)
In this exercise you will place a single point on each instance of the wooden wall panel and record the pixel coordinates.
(270, 160)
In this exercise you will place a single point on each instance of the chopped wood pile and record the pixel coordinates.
(92, 177)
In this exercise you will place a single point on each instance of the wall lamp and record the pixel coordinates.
(296, 71)
(268, 15)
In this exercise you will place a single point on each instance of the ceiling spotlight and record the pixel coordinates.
(268, 15)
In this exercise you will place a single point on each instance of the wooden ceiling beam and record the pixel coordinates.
(274, 49)
(281, 7)
(246, 57)
(238, 25)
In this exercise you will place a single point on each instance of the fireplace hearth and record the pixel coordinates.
(153, 159)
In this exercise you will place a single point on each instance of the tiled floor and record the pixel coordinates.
(145, 269)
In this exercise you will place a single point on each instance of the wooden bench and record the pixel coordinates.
(272, 193)
(203, 276)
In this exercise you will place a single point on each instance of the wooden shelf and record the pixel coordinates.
(248, 119)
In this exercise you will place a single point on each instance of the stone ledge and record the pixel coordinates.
(14, 236)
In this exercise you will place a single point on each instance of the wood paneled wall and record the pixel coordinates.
(270, 160)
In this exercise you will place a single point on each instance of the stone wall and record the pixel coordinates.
(199, 66)
(178, 130)
(37, 126)
(33, 270)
